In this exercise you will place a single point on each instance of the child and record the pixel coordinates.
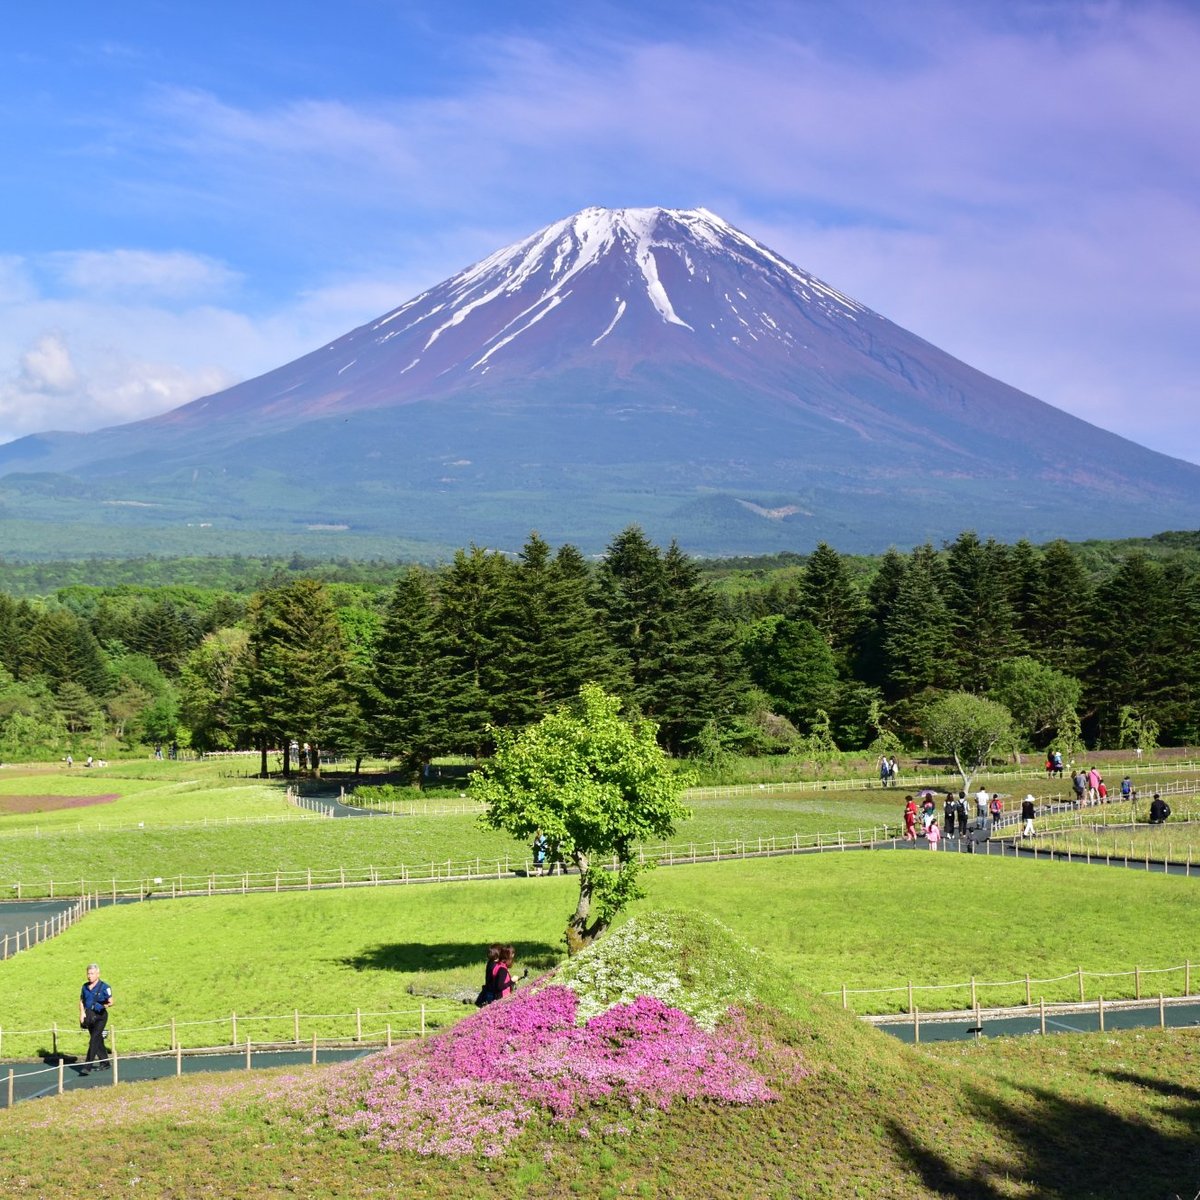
(933, 834)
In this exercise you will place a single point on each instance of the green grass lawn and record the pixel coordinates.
(150, 794)
(854, 1114)
(863, 919)
(43, 847)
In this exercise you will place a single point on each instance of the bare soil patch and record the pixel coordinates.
(32, 804)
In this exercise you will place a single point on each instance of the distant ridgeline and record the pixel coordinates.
(1099, 641)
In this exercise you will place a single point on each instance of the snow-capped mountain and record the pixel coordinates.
(631, 364)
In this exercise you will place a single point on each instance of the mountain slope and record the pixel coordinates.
(619, 365)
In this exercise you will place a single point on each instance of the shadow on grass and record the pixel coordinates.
(443, 956)
(1067, 1147)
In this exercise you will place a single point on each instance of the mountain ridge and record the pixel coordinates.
(648, 365)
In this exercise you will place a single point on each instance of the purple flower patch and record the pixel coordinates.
(472, 1089)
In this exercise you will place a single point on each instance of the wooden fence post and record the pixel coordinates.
(845, 1004)
(233, 1027)
(178, 1059)
(910, 996)
(1081, 995)
(1100, 1009)
(1028, 997)
(1162, 1012)
(296, 1026)
(1042, 1013)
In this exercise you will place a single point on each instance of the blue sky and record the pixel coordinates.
(194, 194)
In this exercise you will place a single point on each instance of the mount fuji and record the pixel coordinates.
(639, 364)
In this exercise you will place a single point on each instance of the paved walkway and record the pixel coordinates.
(32, 1080)
(1082, 1018)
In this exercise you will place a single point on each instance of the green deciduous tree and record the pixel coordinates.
(206, 687)
(595, 784)
(1040, 698)
(967, 727)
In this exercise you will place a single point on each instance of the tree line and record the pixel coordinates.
(831, 653)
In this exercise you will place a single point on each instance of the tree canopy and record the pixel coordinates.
(595, 784)
(968, 728)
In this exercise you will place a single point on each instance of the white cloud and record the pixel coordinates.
(139, 272)
(46, 367)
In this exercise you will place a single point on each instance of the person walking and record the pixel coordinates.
(933, 834)
(982, 799)
(95, 999)
(540, 846)
(1079, 783)
(1028, 812)
(995, 809)
(910, 819)
(948, 812)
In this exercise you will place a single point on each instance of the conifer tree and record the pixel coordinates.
(978, 597)
(293, 682)
(476, 628)
(406, 691)
(828, 598)
(675, 646)
(1061, 612)
(918, 635)
(882, 592)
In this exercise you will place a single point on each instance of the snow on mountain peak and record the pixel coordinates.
(601, 269)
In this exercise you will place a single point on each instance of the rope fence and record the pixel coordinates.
(38, 831)
(360, 1030)
(1071, 987)
(940, 781)
(292, 1029)
(114, 888)
(40, 931)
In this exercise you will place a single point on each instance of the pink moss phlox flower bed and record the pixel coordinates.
(473, 1088)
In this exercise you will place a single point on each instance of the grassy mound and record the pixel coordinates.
(670, 1060)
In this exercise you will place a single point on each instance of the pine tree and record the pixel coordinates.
(1024, 583)
(871, 653)
(828, 598)
(476, 627)
(977, 595)
(406, 691)
(675, 647)
(1061, 612)
(918, 635)
(1131, 648)
(293, 683)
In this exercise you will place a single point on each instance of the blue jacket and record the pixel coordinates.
(95, 999)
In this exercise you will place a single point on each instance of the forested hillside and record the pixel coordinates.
(1096, 644)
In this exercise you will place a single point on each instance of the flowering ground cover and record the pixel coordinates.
(473, 1089)
(853, 1113)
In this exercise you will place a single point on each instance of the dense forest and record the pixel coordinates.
(1096, 644)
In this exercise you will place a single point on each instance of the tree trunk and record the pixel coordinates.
(262, 750)
(579, 932)
(314, 760)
